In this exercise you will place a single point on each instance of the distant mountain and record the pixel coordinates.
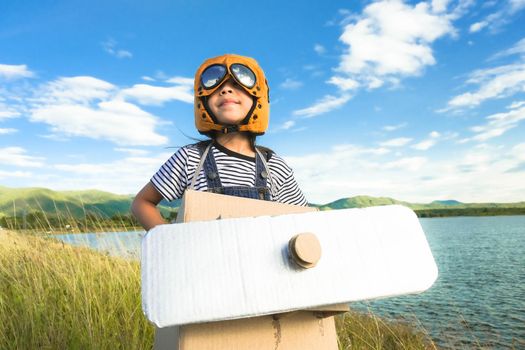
(447, 202)
(78, 203)
(75, 203)
(359, 202)
(443, 205)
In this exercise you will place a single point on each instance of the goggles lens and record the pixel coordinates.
(243, 74)
(214, 74)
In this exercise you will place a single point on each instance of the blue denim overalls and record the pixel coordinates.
(262, 173)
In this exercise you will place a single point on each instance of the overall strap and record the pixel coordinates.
(204, 149)
(261, 174)
(211, 171)
(267, 173)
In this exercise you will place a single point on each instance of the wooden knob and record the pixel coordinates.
(305, 250)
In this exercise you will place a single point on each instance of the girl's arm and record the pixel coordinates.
(144, 207)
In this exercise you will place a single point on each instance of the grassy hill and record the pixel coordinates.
(360, 202)
(17, 201)
(436, 208)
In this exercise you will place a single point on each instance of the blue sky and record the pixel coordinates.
(418, 101)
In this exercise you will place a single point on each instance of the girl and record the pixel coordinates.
(231, 108)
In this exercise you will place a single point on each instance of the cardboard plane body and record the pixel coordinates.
(300, 330)
(235, 268)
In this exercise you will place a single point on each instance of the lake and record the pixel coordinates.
(478, 300)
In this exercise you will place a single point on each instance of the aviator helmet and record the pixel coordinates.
(249, 76)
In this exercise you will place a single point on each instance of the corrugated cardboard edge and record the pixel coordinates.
(218, 206)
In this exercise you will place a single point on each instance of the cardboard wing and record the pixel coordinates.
(240, 267)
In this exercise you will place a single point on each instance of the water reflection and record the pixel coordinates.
(122, 244)
(477, 301)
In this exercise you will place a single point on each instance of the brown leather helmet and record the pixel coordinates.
(247, 73)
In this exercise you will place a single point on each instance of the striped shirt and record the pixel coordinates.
(235, 169)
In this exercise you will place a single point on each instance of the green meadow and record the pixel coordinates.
(53, 295)
(92, 210)
(56, 296)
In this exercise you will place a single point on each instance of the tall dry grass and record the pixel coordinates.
(55, 296)
(359, 330)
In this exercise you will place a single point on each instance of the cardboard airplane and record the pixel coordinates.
(204, 281)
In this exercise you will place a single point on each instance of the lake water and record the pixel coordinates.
(478, 300)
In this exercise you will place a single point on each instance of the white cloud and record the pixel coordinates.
(291, 84)
(406, 164)
(326, 104)
(476, 27)
(157, 95)
(397, 142)
(516, 49)
(475, 175)
(424, 145)
(461, 8)
(123, 54)
(80, 89)
(118, 121)
(132, 151)
(516, 5)
(389, 40)
(498, 124)
(11, 72)
(288, 124)
(499, 82)
(106, 176)
(15, 174)
(5, 114)
(496, 20)
(392, 38)
(4, 131)
(90, 107)
(320, 49)
(110, 47)
(181, 81)
(17, 156)
(516, 104)
(344, 84)
(428, 143)
(394, 127)
(439, 6)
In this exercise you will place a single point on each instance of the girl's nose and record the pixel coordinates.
(226, 88)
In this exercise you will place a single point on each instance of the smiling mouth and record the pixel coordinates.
(228, 102)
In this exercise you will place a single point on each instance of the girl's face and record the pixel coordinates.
(230, 103)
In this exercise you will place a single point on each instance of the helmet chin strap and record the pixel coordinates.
(226, 129)
(229, 128)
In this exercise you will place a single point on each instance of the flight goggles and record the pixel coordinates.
(214, 75)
